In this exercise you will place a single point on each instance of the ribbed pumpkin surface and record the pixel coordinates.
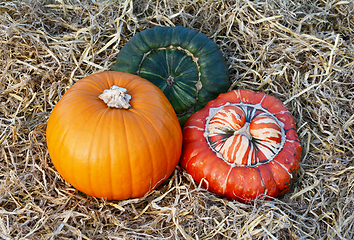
(114, 153)
(186, 65)
(243, 145)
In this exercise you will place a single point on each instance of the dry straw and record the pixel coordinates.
(299, 51)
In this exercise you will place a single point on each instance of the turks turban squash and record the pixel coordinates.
(186, 65)
(243, 145)
(114, 136)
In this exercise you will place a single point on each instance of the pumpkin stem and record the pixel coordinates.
(170, 80)
(245, 131)
(116, 97)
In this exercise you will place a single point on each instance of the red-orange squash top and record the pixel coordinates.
(109, 152)
(242, 145)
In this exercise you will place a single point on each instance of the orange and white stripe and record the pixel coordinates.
(244, 135)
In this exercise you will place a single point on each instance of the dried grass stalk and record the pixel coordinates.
(299, 51)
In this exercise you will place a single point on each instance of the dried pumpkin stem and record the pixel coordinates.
(245, 131)
(116, 97)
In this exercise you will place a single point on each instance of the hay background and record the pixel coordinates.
(299, 51)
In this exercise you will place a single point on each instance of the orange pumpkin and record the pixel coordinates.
(119, 150)
(243, 145)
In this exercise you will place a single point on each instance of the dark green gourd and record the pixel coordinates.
(186, 65)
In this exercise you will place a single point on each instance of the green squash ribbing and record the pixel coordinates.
(186, 65)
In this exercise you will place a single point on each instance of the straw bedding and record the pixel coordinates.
(299, 51)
